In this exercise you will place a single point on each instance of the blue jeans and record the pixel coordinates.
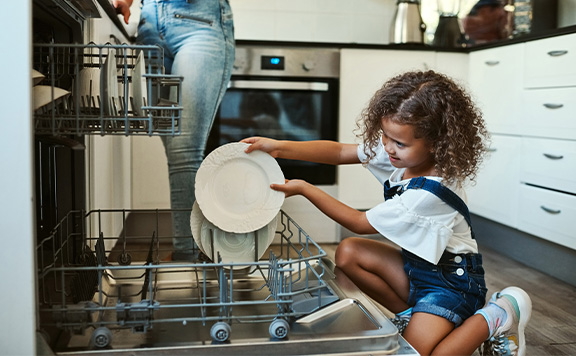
(197, 37)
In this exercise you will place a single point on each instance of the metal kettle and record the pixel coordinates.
(407, 24)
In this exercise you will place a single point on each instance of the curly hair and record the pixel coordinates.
(440, 111)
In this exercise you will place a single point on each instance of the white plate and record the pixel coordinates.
(237, 247)
(37, 77)
(110, 82)
(139, 86)
(43, 95)
(233, 188)
(196, 219)
(88, 82)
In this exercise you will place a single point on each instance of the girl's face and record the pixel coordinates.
(406, 151)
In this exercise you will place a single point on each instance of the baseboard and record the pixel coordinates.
(542, 255)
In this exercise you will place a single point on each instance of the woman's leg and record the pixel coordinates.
(199, 46)
(377, 269)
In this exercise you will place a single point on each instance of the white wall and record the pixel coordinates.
(566, 13)
(343, 21)
(18, 318)
(332, 21)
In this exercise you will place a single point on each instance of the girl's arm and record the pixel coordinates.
(344, 215)
(329, 152)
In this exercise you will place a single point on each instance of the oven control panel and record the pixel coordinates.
(287, 61)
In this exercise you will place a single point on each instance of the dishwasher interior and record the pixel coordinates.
(103, 285)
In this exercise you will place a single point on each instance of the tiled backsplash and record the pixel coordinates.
(343, 21)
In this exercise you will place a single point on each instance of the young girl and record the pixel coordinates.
(428, 129)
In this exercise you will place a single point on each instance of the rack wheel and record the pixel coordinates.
(279, 329)
(101, 337)
(124, 259)
(220, 331)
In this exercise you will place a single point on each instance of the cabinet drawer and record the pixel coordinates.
(547, 214)
(550, 62)
(496, 83)
(549, 112)
(549, 163)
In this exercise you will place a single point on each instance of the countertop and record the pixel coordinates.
(419, 47)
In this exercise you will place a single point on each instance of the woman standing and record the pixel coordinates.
(197, 37)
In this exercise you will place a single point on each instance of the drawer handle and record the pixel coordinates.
(553, 106)
(492, 63)
(550, 211)
(557, 53)
(491, 149)
(548, 155)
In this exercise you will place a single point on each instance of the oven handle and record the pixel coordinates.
(277, 85)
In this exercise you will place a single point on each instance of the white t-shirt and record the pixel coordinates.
(417, 220)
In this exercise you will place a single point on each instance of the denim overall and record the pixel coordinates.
(454, 288)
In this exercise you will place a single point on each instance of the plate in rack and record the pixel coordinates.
(233, 188)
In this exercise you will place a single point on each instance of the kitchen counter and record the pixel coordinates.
(419, 47)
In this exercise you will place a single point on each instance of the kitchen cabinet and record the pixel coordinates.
(550, 62)
(495, 192)
(528, 180)
(362, 72)
(496, 77)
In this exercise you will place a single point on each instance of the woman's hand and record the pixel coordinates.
(123, 8)
(267, 145)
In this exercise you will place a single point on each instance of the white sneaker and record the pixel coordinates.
(508, 338)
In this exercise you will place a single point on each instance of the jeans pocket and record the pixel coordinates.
(193, 18)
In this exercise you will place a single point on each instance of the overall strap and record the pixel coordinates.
(436, 188)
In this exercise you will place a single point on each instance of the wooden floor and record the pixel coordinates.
(552, 328)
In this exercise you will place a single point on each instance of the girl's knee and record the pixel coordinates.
(346, 252)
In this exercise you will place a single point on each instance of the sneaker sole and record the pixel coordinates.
(525, 306)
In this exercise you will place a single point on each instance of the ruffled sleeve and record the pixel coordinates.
(417, 221)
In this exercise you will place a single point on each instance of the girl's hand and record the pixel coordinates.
(267, 145)
(291, 187)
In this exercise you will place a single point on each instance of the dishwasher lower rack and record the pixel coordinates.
(108, 90)
(81, 289)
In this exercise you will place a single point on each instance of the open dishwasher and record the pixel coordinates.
(294, 301)
(101, 291)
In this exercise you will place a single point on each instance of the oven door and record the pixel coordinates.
(284, 109)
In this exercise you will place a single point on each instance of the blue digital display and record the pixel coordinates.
(272, 62)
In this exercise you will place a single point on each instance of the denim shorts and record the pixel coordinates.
(453, 289)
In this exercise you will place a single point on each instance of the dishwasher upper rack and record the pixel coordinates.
(80, 289)
(91, 107)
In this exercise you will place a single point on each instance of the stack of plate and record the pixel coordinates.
(43, 95)
(236, 212)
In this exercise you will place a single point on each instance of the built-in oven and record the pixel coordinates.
(286, 94)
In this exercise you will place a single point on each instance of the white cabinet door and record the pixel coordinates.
(495, 194)
(496, 78)
(548, 214)
(550, 62)
(362, 72)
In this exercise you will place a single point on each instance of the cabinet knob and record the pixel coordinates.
(549, 210)
(557, 53)
(552, 106)
(551, 156)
